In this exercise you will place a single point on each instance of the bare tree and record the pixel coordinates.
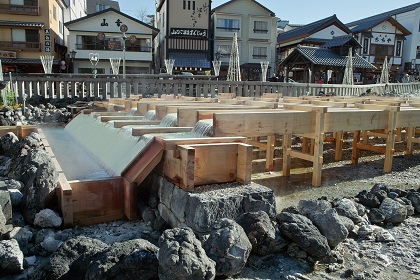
(144, 16)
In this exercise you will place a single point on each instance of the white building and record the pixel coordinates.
(100, 33)
(409, 18)
(256, 27)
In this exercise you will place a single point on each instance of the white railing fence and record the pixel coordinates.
(109, 86)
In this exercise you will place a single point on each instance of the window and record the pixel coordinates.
(184, 4)
(260, 27)
(227, 25)
(259, 52)
(193, 7)
(31, 35)
(381, 50)
(224, 50)
(55, 12)
(101, 7)
(418, 52)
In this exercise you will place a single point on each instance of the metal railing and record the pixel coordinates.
(111, 86)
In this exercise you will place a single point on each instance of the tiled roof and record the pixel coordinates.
(323, 56)
(228, 2)
(368, 24)
(194, 60)
(24, 61)
(386, 14)
(21, 23)
(309, 29)
(340, 40)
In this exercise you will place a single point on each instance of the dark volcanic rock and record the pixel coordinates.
(393, 211)
(40, 178)
(261, 233)
(227, 245)
(71, 260)
(301, 230)
(331, 226)
(181, 256)
(133, 259)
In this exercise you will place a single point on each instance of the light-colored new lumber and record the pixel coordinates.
(139, 131)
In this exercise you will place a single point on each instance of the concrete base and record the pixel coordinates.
(201, 208)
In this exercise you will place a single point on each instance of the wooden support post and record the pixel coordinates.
(355, 153)
(65, 200)
(269, 157)
(410, 132)
(130, 200)
(318, 149)
(244, 164)
(338, 145)
(287, 146)
(390, 139)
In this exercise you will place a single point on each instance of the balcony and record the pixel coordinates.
(32, 10)
(113, 47)
(20, 46)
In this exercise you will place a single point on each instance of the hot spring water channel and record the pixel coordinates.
(88, 149)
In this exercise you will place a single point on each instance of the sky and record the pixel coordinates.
(304, 12)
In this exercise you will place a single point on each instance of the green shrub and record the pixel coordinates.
(10, 97)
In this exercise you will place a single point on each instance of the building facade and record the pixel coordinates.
(101, 34)
(256, 28)
(93, 6)
(30, 29)
(315, 34)
(402, 44)
(184, 35)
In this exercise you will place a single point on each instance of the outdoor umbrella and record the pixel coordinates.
(385, 72)
(348, 72)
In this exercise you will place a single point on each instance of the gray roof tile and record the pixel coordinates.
(21, 23)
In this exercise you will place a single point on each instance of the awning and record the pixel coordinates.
(21, 24)
(190, 60)
(24, 61)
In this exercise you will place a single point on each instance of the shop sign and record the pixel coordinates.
(189, 32)
(6, 54)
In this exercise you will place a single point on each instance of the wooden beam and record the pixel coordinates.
(139, 131)
(171, 144)
(121, 123)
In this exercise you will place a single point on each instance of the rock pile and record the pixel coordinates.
(33, 244)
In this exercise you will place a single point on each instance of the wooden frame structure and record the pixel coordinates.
(236, 129)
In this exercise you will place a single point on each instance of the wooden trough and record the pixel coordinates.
(185, 162)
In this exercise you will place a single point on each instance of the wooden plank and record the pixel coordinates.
(287, 149)
(188, 116)
(318, 149)
(139, 131)
(207, 165)
(130, 199)
(65, 200)
(171, 144)
(97, 201)
(262, 123)
(121, 123)
(126, 117)
(269, 157)
(244, 164)
(355, 120)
